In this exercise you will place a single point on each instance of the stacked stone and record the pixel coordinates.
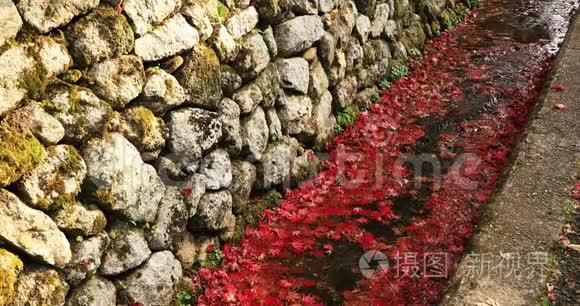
(131, 136)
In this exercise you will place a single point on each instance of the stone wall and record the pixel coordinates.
(133, 133)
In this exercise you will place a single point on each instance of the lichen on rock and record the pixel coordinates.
(20, 152)
(10, 267)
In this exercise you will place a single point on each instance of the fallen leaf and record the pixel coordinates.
(560, 106)
(575, 247)
(558, 87)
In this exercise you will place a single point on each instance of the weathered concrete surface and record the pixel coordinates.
(528, 213)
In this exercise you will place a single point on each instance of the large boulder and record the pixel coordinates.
(56, 181)
(200, 75)
(298, 34)
(119, 180)
(38, 286)
(243, 22)
(170, 222)
(86, 258)
(117, 81)
(294, 113)
(294, 74)
(128, 249)
(174, 36)
(244, 177)
(31, 231)
(161, 91)
(100, 35)
(155, 282)
(10, 267)
(78, 109)
(10, 21)
(145, 15)
(217, 167)
(192, 131)
(254, 134)
(254, 56)
(229, 113)
(145, 131)
(269, 83)
(20, 152)
(97, 291)
(45, 15)
(213, 206)
(77, 220)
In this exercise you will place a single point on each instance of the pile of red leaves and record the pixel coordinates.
(279, 261)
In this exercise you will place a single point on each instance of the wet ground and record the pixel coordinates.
(411, 179)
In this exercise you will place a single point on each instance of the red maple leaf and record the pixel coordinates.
(558, 86)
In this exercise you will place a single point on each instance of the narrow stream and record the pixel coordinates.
(425, 159)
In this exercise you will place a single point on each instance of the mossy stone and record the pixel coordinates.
(10, 267)
(200, 76)
(20, 152)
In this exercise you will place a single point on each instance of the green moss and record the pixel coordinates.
(72, 76)
(397, 70)
(250, 212)
(346, 117)
(10, 267)
(20, 152)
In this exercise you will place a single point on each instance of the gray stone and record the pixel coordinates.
(345, 92)
(295, 114)
(325, 6)
(88, 46)
(192, 131)
(323, 121)
(272, 11)
(229, 113)
(145, 131)
(86, 258)
(254, 134)
(337, 71)
(200, 76)
(340, 23)
(39, 285)
(274, 124)
(144, 15)
(248, 97)
(380, 20)
(254, 56)
(211, 211)
(119, 180)
(42, 125)
(10, 21)
(275, 166)
(77, 220)
(117, 81)
(31, 231)
(230, 80)
(56, 181)
(96, 291)
(199, 17)
(294, 74)
(78, 109)
(155, 282)
(268, 35)
(217, 167)
(327, 49)
(298, 34)
(362, 28)
(173, 36)
(243, 22)
(170, 222)
(269, 83)
(304, 166)
(194, 189)
(244, 177)
(225, 45)
(304, 7)
(318, 81)
(354, 55)
(161, 91)
(45, 15)
(128, 249)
